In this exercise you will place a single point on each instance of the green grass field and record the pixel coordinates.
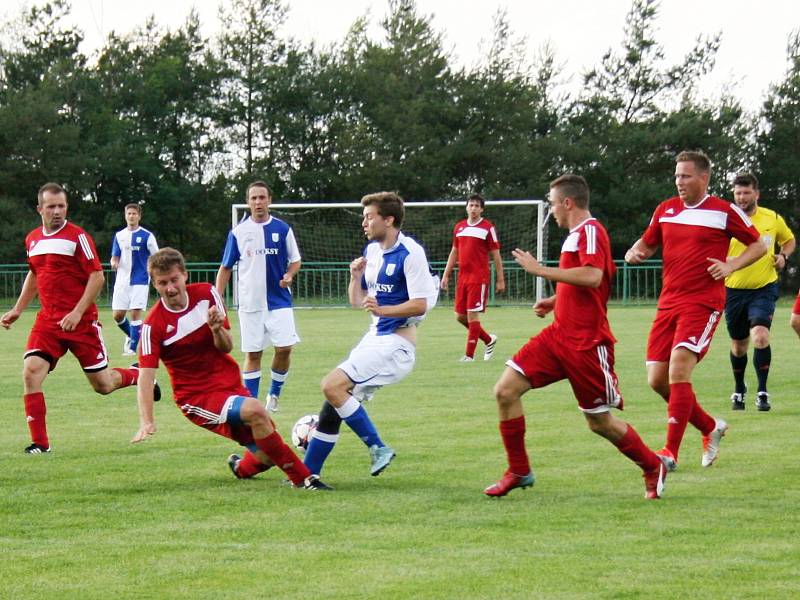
(101, 518)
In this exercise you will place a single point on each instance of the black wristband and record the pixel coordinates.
(785, 258)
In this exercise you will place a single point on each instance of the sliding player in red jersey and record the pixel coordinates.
(188, 330)
(578, 346)
(67, 276)
(474, 242)
(694, 230)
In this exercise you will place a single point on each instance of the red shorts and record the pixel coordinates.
(49, 341)
(686, 327)
(796, 308)
(545, 360)
(471, 297)
(211, 411)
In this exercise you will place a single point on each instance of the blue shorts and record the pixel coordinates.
(744, 309)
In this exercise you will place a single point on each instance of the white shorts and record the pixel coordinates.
(267, 327)
(129, 297)
(378, 360)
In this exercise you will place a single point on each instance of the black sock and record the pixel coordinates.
(761, 359)
(739, 364)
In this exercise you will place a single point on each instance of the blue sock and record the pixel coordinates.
(319, 447)
(278, 379)
(252, 381)
(125, 326)
(135, 334)
(357, 419)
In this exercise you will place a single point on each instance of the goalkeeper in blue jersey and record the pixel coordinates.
(393, 282)
(266, 251)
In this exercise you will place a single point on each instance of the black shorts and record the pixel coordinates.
(744, 309)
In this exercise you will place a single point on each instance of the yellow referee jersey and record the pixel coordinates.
(773, 230)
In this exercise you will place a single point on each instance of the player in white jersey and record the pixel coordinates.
(266, 251)
(393, 282)
(130, 250)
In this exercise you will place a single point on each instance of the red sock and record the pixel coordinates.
(250, 466)
(513, 433)
(632, 446)
(35, 411)
(283, 457)
(129, 376)
(699, 418)
(484, 337)
(472, 338)
(679, 409)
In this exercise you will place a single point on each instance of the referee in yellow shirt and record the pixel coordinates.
(751, 292)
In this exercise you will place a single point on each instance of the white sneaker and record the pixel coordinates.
(126, 348)
(272, 403)
(487, 354)
(466, 358)
(711, 443)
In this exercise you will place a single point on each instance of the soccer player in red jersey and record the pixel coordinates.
(694, 230)
(474, 241)
(188, 330)
(577, 346)
(66, 274)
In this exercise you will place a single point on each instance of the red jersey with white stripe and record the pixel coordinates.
(62, 262)
(581, 313)
(473, 243)
(184, 343)
(689, 235)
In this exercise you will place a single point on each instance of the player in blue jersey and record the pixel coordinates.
(393, 282)
(268, 257)
(130, 250)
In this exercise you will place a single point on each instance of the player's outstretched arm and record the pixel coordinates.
(144, 397)
(585, 276)
(28, 293)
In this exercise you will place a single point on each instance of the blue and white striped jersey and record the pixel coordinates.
(133, 248)
(396, 275)
(263, 252)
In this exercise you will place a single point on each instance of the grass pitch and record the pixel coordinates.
(101, 518)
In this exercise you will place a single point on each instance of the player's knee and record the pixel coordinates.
(505, 394)
(254, 414)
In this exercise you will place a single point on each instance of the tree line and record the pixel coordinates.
(181, 122)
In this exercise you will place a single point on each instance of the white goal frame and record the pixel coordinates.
(542, 216)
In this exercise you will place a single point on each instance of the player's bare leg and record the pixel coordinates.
(508, 393)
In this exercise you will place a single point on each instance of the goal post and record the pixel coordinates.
(329, 235)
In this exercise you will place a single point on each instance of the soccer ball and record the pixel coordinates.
(302, 430)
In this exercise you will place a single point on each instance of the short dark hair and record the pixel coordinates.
(478, 198)
(698, 157)
(390, 204)
(572, 186)
(747, 179)
(257, 183)
(133, 206)
(163, 261)
(53, 188)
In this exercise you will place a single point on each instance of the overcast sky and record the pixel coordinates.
(751, 57)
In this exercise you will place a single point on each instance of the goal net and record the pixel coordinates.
(330, 237)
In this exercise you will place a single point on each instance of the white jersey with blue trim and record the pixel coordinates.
(133, 248)
(396, 275)
(263, 252)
